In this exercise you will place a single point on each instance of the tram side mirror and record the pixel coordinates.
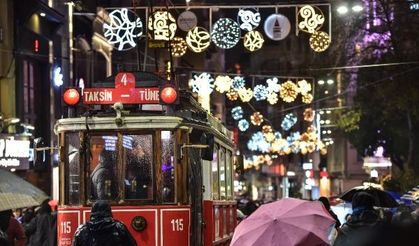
(207, 153)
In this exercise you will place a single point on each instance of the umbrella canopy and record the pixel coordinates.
(381, 197)
(15, 192)
(287, 222)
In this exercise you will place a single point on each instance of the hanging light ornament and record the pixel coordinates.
(277, 27)
(267, 129)
(319, 41)
(304, 87)
(243, 125)
(225, 33)
(179, 46)
(253, 40)
(237, 113)
(310, 19)
(272, 98)
(245, 94)
(223, 83)
(288, 121)
(202, 84)
(260, 92)
(238, 83)
(288, 91)
(232, 95)
(308, 98)
(294, 136)
(270, 137)
(273, 85)
(308, 114)
(198, 39)
(256, 118)
(163, 25)
(248, 19)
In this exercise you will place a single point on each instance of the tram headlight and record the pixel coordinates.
(71, 96)
(168, 94)
(139, 223)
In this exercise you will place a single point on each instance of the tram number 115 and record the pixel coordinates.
(177, 224)
(65, 227)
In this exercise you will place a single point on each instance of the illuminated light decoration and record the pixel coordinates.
(273, 85)
(253, 41)
(232, 95)
(260, 92)
(187, 20)
(225, 33)
(237, 113)
(294, 136)
(270, 137)
(311, 147)
(288, 91)
(248, 19)
(307, 98)
(245, 94)
(277, 27)
(256, 118)
(258, 143)
(267, 129)
(308, 20)
(179, 46)
(288, 121)
(305, 137)
(198, 39)
(243, 125)
(223, 83)
(311, 129)
(202, 84)
(252, 145)
(278, 135)
(272, 98)
(125, 26)
(295, 147)
(304, 87)
(319, 41)
(323, 151)
(58, 77)
(163, 25)
(309, 114)
(238, 83)
(71, 97)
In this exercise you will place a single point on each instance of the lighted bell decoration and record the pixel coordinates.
(288, 91)
(232, 95)
(256, 118)
(179, 46)
(319, 41)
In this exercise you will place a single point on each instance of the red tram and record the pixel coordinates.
(168, 175)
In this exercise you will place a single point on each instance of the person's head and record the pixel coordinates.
(100, 210)
(363, 200)
(137, 149)
(44, 207)
(325, 202)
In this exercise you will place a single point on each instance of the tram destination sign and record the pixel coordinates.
(124, 92)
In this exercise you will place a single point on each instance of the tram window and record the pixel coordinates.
(103, 167)
(214, 171)
(228, 174)
(138, 153)
(167, 166)
(73, 158)
(222, 172)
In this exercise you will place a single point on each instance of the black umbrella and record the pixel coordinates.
(382, 198)
(16, 192)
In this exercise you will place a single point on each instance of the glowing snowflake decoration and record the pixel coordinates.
(223, 83)
(248, 19)
(243, 125)
(270, 137)
(202, 84)
(237, 113)
(238, 83)
(125, 26)
(294, 136)
(288, 91)
(163, 25)
(225, 33)
(272, 98)
(308, 98)
(232, 95)
(304, 87)
(289, 121)
(258, 143)
(272, 85)
(256, 118)
(278, 135)
(245, 94)
(267, 129)
(260, 92)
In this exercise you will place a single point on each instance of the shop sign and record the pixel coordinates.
(14, 152)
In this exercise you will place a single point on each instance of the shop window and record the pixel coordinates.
(168, 166)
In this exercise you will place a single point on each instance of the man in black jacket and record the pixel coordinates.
(102, 229)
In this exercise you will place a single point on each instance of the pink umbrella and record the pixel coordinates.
(287, 222)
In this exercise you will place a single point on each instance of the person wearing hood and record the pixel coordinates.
(102, 229)
(42, 230)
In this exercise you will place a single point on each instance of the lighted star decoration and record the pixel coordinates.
(238, 83)
(237, 113)
(272, 98)
(243, 125)
(245, 94)
(253, 41)
(304, 87)
(308, 98)
(179, 46)
(124, 28)
(288, 91)
(309, 20)
(256, 118)
(223, 83)
(309, 114)
(198, 39)
(225, 33)
(319, 41)
(232, 95)
(248, 19)
(203, 84)
(289, 121)
(260, 92)
(163, 25)
(272, 85)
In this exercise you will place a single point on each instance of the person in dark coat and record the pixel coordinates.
(102, 229)
(103, 185)
(326, 205)
(42, 230)
(12, 228)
